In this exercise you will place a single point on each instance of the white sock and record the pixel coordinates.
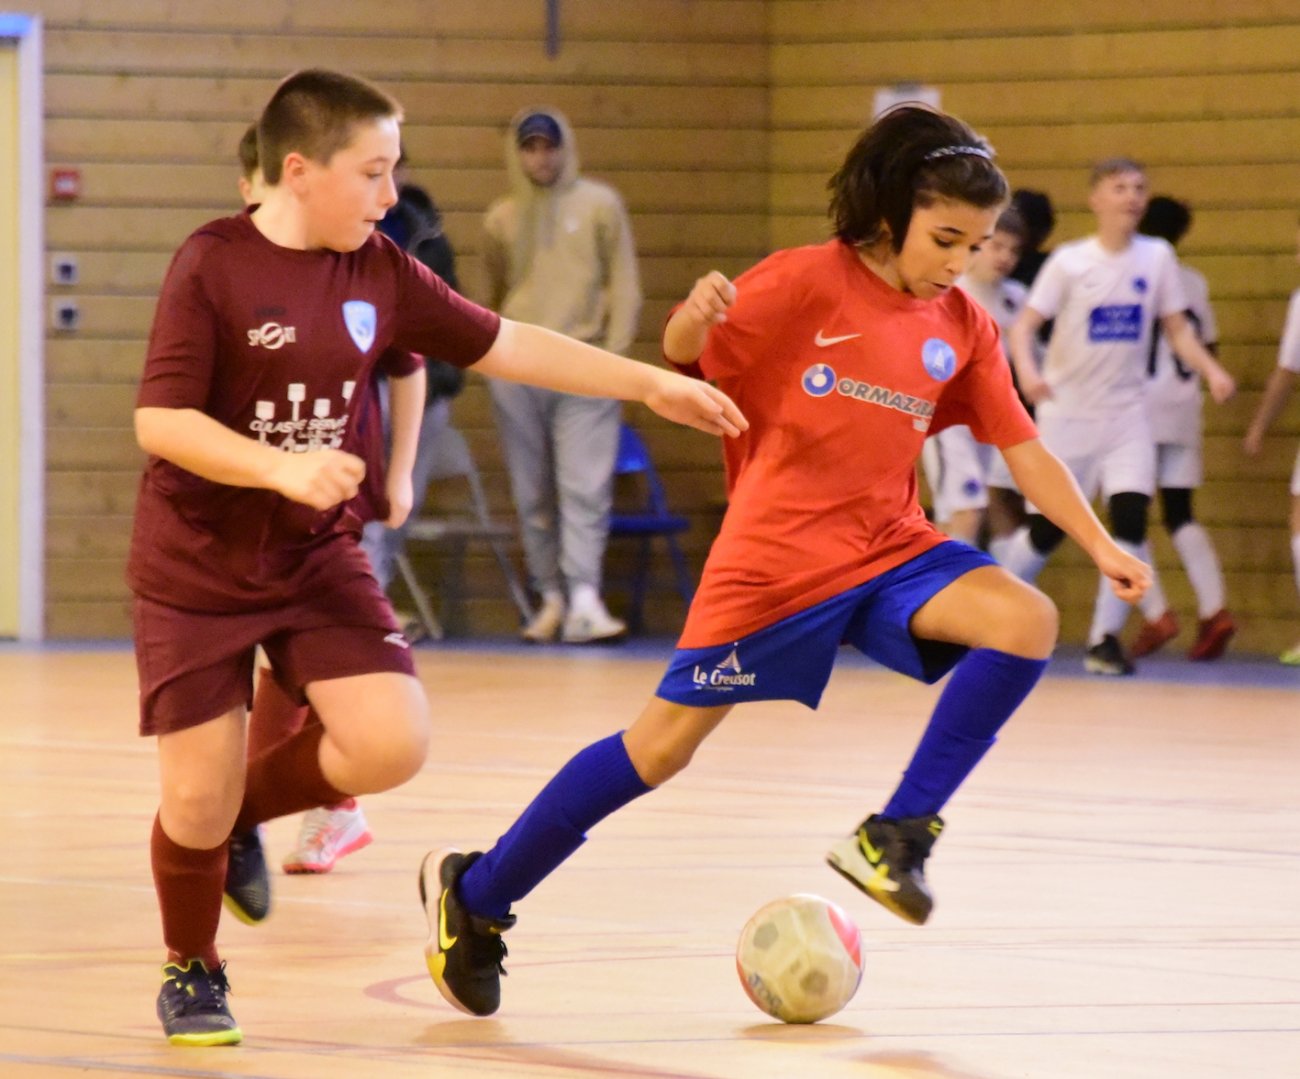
(1201, 561)
(1153, 604)
(999, 546)
(1020, 557)
(1110, 612)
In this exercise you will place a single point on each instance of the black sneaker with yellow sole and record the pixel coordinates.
(886, 859)
(248, 882)
(192, 1005)
(465, 951)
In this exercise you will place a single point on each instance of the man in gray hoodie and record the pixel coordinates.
(558, 253)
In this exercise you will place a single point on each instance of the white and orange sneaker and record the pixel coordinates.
(326, 835)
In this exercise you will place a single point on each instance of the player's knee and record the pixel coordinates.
(1044, 536)
(659, 761)
(400, 755)
(1177, 505)
(1128, 516)
(200, 814)
(1023, 623)
(1040, 624)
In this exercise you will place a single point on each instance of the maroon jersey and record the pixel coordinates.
(280, 346)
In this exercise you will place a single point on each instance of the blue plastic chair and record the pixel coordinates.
(652, 518)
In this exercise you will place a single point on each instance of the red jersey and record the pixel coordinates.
(279, 345)
(841, 377)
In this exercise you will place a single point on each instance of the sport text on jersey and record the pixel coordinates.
(820, 381)
(272, 335)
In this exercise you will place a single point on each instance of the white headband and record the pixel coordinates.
(958, 151)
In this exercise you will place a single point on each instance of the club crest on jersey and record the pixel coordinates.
(359, 317)
(1139, 285)
(818, 380)
(938, 359)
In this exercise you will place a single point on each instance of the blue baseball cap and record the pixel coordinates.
(539, 125)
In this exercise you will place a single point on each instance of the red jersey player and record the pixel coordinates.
(844, 357)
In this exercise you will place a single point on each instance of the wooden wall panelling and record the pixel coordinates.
(1205, 94)
(149, 98)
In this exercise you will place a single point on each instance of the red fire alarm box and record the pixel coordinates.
(65, 184)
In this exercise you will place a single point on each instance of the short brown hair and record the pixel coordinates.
(1010, 222)
(1113, 166)
(248, 160)
(315, 113)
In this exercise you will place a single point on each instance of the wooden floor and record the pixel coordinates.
(1118, 890)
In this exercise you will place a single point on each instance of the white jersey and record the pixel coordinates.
(1001, 299)
(1174, 390)
(1288, 355)
(1105, 305)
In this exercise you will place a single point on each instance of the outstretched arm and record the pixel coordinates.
(530, 354)
(1048, 484)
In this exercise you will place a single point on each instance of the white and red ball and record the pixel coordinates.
(800, 958)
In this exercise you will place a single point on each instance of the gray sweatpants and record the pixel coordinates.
(381, 543)
(560, 450)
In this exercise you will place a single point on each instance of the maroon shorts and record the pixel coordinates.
(196, 666)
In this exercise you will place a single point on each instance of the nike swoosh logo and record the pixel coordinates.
(881, 882)
(874, 854)
(445, 942)
(821, 341)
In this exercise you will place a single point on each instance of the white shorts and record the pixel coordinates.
(1178, 464)
(998, 473)
(1107, 455)
(955, 473)
(1295, 477)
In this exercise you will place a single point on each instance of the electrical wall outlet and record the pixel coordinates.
(65, 315)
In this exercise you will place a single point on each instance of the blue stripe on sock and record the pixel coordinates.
(985, 688)
(594, 783)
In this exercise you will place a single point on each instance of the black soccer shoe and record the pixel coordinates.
(886, 859)
(192, 1005)
(464, 951)
(248, 883)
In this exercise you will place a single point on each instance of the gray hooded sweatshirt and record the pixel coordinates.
(562, 256)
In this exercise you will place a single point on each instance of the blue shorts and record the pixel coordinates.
(791, 660)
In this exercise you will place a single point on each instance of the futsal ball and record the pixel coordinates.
(800, 958)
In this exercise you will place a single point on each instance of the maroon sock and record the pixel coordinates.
(287, 779)
(276, 716)
(189, 883)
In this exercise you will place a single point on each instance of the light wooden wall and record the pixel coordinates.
(149, 99)
(719, 120)
(1207, 94)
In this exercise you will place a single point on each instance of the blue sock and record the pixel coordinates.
(597, 781)
(985, 688)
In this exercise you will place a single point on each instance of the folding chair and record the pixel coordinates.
(453, 460)
(650, 519)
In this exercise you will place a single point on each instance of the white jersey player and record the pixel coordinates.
(1105, 293)
(1174, 404)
